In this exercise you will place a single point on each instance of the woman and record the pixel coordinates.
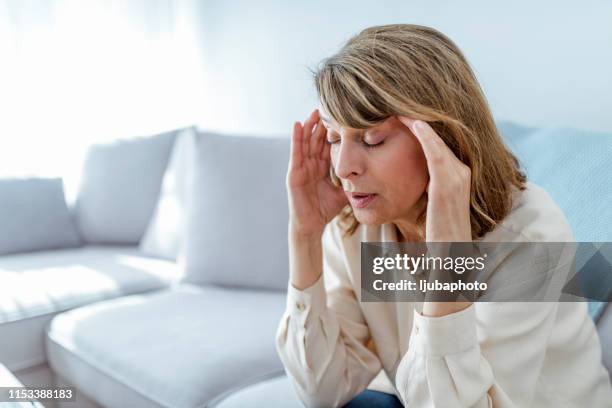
(413, 154)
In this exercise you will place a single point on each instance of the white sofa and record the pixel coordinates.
(37, 286)
(150, 309)
(116, 314)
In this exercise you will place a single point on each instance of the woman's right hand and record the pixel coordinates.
(313, 199)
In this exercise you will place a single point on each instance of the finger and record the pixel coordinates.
(449, 159)
(312, 143)
(408, 122)
(435, 137)
(307, 132)
(326, 151)
(296, 145)
(316, 144)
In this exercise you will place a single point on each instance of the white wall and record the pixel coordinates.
(540, 63)
(77, 71)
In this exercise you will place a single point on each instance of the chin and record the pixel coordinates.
(370, 218)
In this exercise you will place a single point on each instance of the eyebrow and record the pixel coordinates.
(328, 121)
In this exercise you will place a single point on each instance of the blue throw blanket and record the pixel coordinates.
(575, 167)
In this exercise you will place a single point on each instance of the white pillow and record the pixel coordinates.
(34, 216)
(237, 228)
(164, 235)
(120, 186)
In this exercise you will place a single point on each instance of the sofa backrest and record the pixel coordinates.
(236, 232)
(120, 185)
(34, 216)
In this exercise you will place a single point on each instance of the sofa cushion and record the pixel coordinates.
(573, 166)
(29, 350)
(34, 216)
(166, 230)
(120, 184)
(175, 348)
(237, 232)
(276, 392)
(34, 287)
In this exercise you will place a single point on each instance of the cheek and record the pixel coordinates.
(406, 172)
(416, 164)
(417, 168)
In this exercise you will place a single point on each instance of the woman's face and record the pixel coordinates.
(383, 170)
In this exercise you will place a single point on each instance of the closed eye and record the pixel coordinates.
(366, 144)
(372, 145)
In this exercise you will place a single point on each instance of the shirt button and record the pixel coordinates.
(416, 329)
(300, 306)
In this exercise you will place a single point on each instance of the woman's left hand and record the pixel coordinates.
(448, 190)
(448, 200)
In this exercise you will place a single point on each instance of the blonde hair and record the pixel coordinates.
(416, 71)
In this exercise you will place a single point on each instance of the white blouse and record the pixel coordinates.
(491, 354)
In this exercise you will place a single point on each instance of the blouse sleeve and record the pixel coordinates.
(322, 336)
(487, 355)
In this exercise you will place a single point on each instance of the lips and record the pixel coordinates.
(360, 200)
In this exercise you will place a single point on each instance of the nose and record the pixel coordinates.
(347, 160)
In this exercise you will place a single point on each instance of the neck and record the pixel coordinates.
(407, 228)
